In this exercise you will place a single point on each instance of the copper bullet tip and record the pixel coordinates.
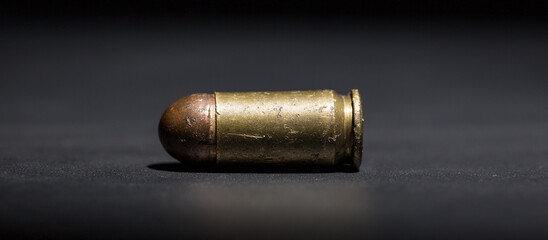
(187, 129)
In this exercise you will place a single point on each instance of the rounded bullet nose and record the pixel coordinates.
(187, 129)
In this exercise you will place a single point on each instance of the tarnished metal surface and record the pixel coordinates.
(305, 127)
(318, 127)
(187, 129)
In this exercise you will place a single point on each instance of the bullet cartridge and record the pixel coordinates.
(318, 127)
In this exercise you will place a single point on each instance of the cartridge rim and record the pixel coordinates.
(357, 128)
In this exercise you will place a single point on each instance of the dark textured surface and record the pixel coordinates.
(456, 131)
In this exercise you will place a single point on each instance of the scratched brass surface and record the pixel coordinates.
(305, 127)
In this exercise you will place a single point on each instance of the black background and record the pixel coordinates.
(456, 123)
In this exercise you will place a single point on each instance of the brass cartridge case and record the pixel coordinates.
(319, 127)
